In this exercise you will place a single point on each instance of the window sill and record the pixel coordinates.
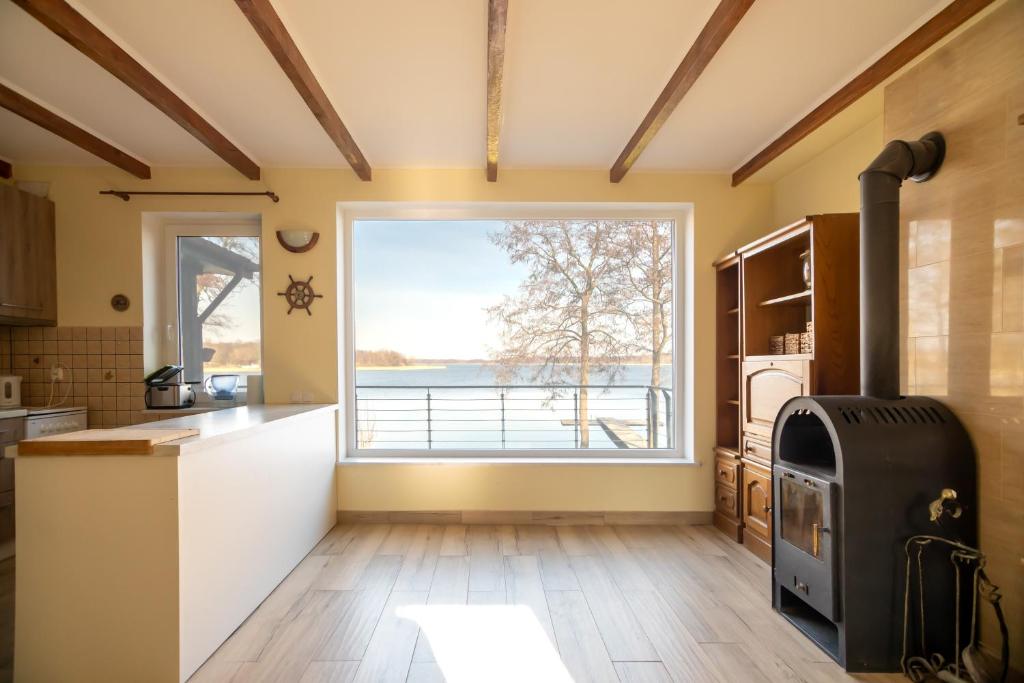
(497, 460)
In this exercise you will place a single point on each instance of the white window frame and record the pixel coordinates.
(171, 231)
(682, 319)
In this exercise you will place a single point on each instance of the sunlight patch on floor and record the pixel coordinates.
(488, 643)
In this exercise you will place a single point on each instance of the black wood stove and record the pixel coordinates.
(853, 475)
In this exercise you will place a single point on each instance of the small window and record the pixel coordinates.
(218, 305)
(545, 335)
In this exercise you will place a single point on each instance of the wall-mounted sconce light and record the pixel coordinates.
(297, 241)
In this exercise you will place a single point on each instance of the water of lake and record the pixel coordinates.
(466, 410)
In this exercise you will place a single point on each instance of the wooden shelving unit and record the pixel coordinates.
(727, 402)
(762, 293)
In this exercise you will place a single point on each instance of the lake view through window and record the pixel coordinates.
(513, 334)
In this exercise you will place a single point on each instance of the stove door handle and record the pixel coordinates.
(816, 531)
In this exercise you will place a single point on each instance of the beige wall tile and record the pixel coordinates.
(964, 278)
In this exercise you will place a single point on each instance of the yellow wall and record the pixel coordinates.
(99, 253)
(828, 182)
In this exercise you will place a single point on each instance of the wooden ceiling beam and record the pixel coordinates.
(933, 30)
(497, 13)
(714, 34)
(275, 36)
(41, 116)
(66, 22)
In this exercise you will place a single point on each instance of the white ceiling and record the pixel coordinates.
(408, 78)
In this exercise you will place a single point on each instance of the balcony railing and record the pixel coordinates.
(521, 416)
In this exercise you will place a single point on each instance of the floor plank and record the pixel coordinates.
(524, 586)
(336, 540)
(486, 566)
(292, 646)
(363, 608)
(678, 651)
(628, 573)
(732, 660)
(248, 641)
(425, 672)
(576, 540)
(454, 540)
(328, 672)
(507, 540)
(623, 636)
(533, 538)
(449, 587)
(343, 571)
(389, 653)
(642, 672)
(398, 540)
(421, 559)
(579, 642)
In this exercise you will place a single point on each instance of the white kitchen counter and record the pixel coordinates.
(148, 563)
(222, 425)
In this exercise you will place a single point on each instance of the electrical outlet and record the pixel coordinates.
(307, 396)
(57, 373)
(295, 397)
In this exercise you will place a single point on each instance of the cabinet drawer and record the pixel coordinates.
(6, 473)
(757, 500)
(6, 520)
(726, 501)
(766, 386)
(757, 449)
(12, 430)
(726, 471)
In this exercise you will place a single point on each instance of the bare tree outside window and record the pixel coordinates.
(644, 284)
(565, 321)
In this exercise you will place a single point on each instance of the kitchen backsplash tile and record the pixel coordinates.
(103, 369)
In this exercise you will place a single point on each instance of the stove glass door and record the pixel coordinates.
(803, 511)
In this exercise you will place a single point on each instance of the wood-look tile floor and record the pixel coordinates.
(378, 602)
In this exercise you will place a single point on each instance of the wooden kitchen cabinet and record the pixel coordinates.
(28, 259)
(757, 510)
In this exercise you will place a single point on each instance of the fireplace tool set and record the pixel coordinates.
(970, 664)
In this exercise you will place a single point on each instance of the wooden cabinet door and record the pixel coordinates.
(757, 500)
(766, 386)
(28, 267)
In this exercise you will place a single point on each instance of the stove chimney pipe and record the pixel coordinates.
(880, 257)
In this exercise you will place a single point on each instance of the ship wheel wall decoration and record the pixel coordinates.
(299, 294)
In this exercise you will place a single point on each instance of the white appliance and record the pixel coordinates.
(50, 421)
(10, 391)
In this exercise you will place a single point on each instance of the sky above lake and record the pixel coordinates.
(421, 287)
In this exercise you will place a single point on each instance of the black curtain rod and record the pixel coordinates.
(127, 194)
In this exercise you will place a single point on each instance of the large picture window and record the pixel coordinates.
(515, 334)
